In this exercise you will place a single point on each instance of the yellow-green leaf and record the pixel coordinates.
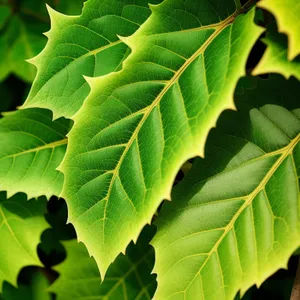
(235, 218)
(21, 225)
(275, 58)
(287, 14)
(139, 125)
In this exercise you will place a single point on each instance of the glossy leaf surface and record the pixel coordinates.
(83, 45)
(138, 126)
(234, 219)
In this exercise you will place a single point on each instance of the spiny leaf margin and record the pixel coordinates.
(204, 234)
(105, 251)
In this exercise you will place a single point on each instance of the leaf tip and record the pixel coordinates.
(33, 61)
(47, 34)
(55, 16)
(90, 81)
(59, 169)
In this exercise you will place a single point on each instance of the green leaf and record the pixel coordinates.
(18, 43)
(31, 148)
(138, 126)
(5, 12)
(83, 45)
(21, 225)
(27, 45)
(234, 220)
(287, 15)
(7, 40)
(34, 290)
(127, 278)
(275, 58)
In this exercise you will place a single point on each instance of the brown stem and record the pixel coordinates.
(296, 288)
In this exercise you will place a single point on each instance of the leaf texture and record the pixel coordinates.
(21, 225)
(138, 126)
(234, 220)
(287, 14)
(31, 148)
(275, 58)
(83, 45)
(128, 277)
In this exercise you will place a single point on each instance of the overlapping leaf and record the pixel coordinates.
(27, 43)
(234, 220)
(35, 289)
(139, 125)
(21, 225)
(287, 14)
(18, 42)
(127, 278)
(22, 24)
(275, 58)
(83, 45)
(31, 148)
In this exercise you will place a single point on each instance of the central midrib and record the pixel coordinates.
(222, 25)
(284, 153)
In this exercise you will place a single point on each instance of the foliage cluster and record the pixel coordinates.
(166, 135)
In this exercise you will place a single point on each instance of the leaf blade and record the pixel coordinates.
(82, 45)
(32, 147)
(128, 277)
(287, 17)
(275, 58)
(126, 127)
(22, 223)
(235, 218)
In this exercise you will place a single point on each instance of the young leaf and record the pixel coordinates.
(287, 14)
(21, 225)
(138, 126)
(31, 148)
(83, 45)
(235, 217)
(275, 58)
(127, 278)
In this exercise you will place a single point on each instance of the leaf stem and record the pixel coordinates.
(296, 287)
